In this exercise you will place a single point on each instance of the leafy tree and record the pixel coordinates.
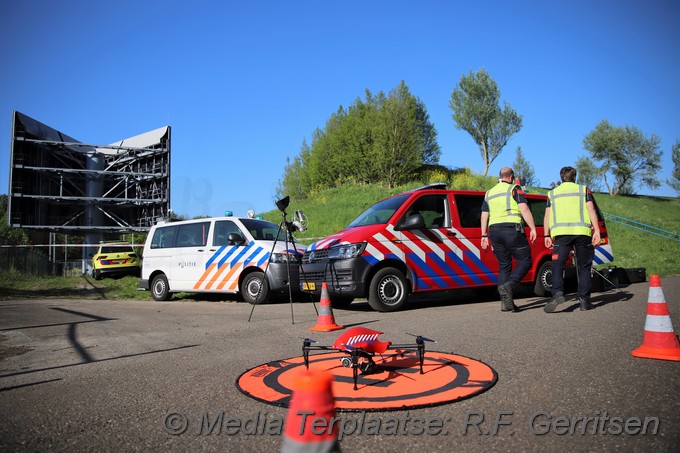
(405, 139)
(524, 170)
(476, 110)
(626, 155)
(379, 139)
(674, 182)
(588, 174)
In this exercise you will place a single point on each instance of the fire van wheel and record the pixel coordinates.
(543, 284)
(160, 290)
(251, 286)
(388, 290)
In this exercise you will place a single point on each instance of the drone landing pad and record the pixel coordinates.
(396, 383)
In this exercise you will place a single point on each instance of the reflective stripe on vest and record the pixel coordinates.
(502, 206)
(571, 215)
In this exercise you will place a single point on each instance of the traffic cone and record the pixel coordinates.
(659, 340)
(312, 400)
(325, 321)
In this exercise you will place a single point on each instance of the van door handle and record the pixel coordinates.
(451, 233)
(396, 241)
(211, 250)
(201, 250)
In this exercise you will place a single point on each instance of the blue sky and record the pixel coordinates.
(242, 84)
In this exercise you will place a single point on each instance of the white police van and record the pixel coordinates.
(218, 255)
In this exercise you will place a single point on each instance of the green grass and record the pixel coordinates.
(14, 285)
(331, 210)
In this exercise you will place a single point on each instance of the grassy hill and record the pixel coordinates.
(331, 210)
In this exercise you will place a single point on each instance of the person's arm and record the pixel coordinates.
(546, 221)
(590, 206)
(529, 219)
(484, 230)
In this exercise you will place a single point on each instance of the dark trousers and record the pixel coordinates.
(584, 253)
(509, 243)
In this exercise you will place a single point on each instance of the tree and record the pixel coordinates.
(587, 173)
(381, 138)
(626, 155)
(476, 110)
(524, 170)
(674, 182)
(404, 138)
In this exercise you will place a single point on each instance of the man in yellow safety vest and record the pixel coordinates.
(571, 218)
(503, 209)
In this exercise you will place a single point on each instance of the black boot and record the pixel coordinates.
(585, 304)
(507, 303)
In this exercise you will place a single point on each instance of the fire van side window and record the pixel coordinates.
(433, 210)
(469, 210)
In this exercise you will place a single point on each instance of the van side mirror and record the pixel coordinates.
(236, 239)
(412, 222)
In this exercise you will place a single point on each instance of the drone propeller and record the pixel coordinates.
(299, 221)
(420, 338)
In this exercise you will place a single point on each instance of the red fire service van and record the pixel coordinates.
(427, 239)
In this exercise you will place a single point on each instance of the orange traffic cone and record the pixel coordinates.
(659, 340)
(326, 321)
(312, 400)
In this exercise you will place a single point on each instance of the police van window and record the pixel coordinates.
(193, 234)
(164, 237)
(433, 210)
(469, 210)
(262, 230)
(222, 230)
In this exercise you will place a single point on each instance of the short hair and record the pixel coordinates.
(568, 174)
(505, 172)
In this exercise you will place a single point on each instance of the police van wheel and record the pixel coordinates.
(251, 287)
(543, 284)
(388, 290)
(160, 290)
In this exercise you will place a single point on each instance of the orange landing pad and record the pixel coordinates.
(395, 385)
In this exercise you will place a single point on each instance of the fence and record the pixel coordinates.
(28, 261)
(642, 226)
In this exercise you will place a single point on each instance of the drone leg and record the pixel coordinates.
(305, 354)
(421, 355)
(355, 368)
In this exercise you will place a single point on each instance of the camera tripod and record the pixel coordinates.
(287, 228)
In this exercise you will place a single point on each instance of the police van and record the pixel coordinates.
(218, 255)
(427, 239)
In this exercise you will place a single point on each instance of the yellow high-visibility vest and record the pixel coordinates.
(502, 206)
(568, 212)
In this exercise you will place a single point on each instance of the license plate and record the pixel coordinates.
(308, 286)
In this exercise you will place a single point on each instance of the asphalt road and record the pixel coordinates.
(98, 375)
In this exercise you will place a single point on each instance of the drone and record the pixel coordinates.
(361, 345)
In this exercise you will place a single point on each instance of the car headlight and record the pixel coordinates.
(284, 258)
(346, 251)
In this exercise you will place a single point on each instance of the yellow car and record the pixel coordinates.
(115, 258)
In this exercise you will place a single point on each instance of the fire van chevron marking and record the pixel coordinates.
(603, 254)
(326, 243)
(374, 253)
(467, 243)
(387, 243)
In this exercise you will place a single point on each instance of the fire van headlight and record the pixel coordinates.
(346, 251)
(284, 258)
